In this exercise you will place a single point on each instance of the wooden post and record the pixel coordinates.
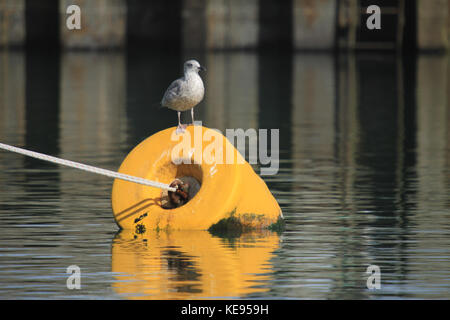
(314, 24)
(103, 24)
(220, 24)
(232, 82)
(433, 25)
(12, 96)
(92, 116)
(12, 23)
(232, 24)
(347, 22)
(193, 21)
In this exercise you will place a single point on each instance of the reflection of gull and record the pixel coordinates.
(185, 93)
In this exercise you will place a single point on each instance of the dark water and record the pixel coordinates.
(364, 176)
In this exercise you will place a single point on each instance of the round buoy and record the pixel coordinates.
(216, 188)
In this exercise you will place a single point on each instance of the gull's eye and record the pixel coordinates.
(189, 64)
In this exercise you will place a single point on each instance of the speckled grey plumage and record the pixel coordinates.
(185, 93)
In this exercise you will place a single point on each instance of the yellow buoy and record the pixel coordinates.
(230, 194)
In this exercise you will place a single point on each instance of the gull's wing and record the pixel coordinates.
(172, 92)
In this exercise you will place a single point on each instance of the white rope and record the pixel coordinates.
(84, 167)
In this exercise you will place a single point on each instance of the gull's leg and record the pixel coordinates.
(181, 127)
(192, 115)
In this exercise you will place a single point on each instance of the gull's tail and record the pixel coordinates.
(157, 104)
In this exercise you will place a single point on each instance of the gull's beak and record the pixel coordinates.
(202, 68)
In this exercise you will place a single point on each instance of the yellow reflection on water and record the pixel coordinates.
(191, 264)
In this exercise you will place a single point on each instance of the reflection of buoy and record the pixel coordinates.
(188, 264)
(228, 194)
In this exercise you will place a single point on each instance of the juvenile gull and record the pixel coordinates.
(185, 93)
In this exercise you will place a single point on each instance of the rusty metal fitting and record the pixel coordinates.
(181, 195)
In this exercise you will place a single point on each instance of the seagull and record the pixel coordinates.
(186, 92)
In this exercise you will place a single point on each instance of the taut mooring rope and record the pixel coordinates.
(84, 167)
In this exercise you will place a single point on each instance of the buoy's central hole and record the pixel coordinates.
(187, 188)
